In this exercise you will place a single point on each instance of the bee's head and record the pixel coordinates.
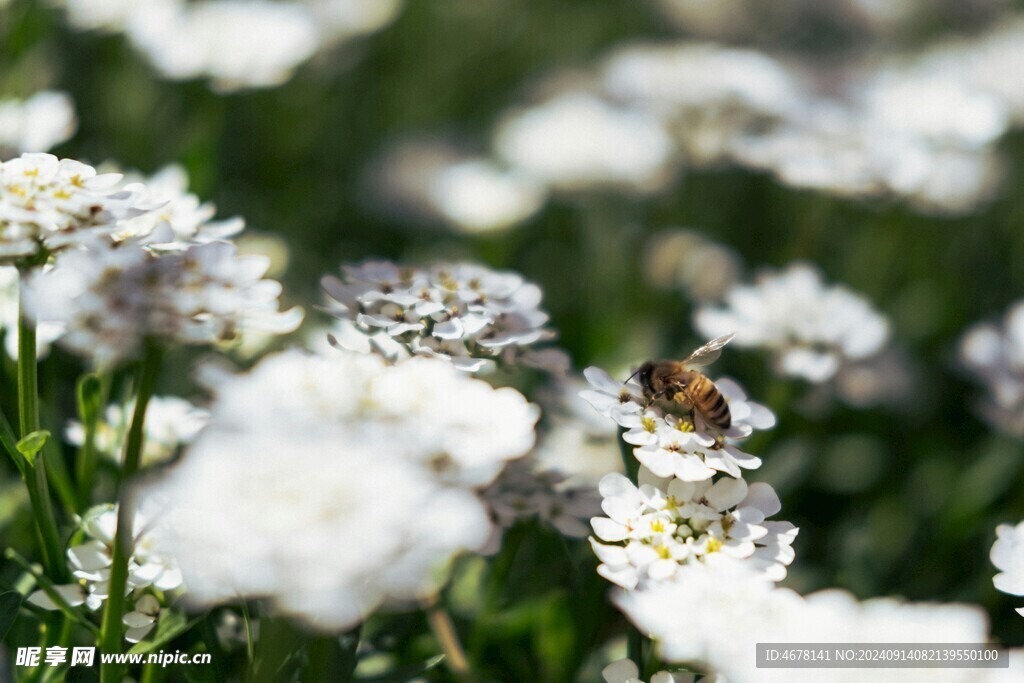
(643, 375)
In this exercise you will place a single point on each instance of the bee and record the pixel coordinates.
(675, 381)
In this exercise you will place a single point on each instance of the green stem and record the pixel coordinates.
(110, 641)
(85, 470)
(35, 475)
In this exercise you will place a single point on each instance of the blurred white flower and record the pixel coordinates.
(111, 16)
(111, 298)
(994, 355)
(712, 618)
(48, 203)
(686, 259)
(353, 482)
(812, 329)
(189, 219)
(460, 429)
(464, 313)
(578, 442)
(524, 490)
(340, 20)
(46, 333)
(652, 531)
(1008, 556)
(90, 563)
(430, 180)
(578, 142)
(171, 422)
(236, 43)
(36, 124)
(701, 76)
(626, 671)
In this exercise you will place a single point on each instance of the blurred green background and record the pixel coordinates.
(897, 500)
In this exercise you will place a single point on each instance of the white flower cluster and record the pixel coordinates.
(48, 204)
(711, 619)
(428, 181)
(235, 43)
(189, 219)
(680, 514)
(626, 671)
(171, 423)
(112, 297)
(813, 330)
(355, 482)
(1008, 556)
(464, 313)
(994, 355)
(524, 491)
(149, 571)
(651, 532)
(36, 124)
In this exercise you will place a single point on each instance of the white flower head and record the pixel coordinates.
(812, 329)
(355, 482)
(1008, 556)
(652, 531)
(579, 142)
(712, 618)
(626, 671)
(525, 491)
(237, 44)
(466, 314)
(994, 355)
(112, 297)
(171, 423)
(36, 124)
(91, 562)
(48, 204)
(677, 443)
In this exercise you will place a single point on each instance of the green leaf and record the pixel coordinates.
(405, 673)
(10, 603)
(90, 399)
(32, 444)
(168, 627)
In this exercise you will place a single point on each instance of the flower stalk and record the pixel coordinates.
(111, 628)
(34, 472)
(444, 630)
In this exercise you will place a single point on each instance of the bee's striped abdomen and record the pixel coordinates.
(709, 401)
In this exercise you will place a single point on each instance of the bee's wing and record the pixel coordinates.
(709, 352)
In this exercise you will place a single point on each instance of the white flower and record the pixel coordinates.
(626, 671)
(688, 260)
(111, 297)
(354, 482)
(813, 330)
(712, 617)
(49, 203)
(652, 531)
(142, 618)
(464, 313)
(994, 355)
(171, 422)
(91, 563)
(1008, 556)
(340, 20)
(579, 142)
(525, 491)
(237, 44)
(679, 444)
(460, 429)
(37, 124)
(189, 219)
